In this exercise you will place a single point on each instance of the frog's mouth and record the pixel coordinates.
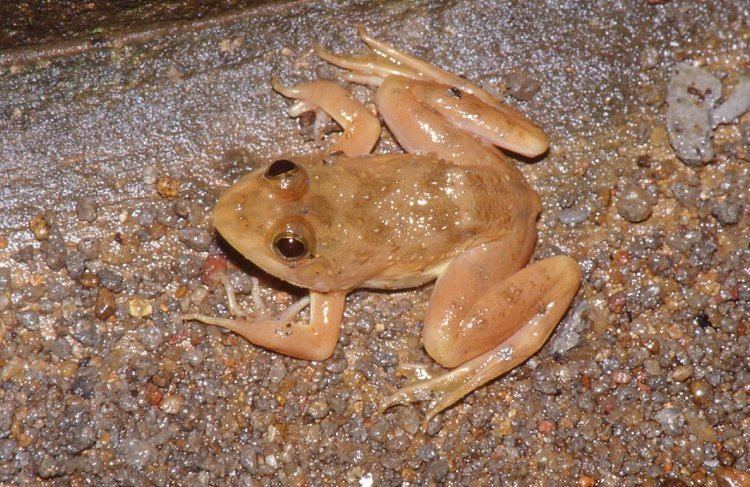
(249, 239)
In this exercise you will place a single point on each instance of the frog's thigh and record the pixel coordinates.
(540, 293)
(496, 123)
(462, 284)
(421, 130)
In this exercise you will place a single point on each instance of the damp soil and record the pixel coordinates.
(112, 154)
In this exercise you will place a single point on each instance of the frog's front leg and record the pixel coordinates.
(314, 341)
(361, 128)
(503, 326)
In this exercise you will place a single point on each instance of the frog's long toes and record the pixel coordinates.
(416, 392)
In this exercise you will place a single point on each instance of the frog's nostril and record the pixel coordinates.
(280, 167)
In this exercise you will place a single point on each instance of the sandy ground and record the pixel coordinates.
(112, 155)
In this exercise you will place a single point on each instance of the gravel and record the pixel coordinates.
(671, 419)
(727, 212)
(28, 319)
(693, 91)
(196, 238)
(109, 386)
(86, 209)
(634, 204)
(735, 105)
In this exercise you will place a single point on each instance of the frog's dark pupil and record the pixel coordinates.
(280, 167)
(291, 247)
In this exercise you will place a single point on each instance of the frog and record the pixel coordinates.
(451, 208)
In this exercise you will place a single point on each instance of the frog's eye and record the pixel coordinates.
(281, 168)
(291, 246)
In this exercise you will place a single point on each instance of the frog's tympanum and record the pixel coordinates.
(452, 208)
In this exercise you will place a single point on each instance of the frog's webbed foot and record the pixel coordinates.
(361, 127)
(384, 60)
(447, 388)
(314, 341)
(516, 315)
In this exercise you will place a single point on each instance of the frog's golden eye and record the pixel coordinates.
(281, 168)
(291, 246)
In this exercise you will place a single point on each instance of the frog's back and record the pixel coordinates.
(418, 211)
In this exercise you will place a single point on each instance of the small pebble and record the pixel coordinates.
(28, 319)
(731, 477)
(39, 227)
(149, 175)
(682, 373)
(89, 247)
(277, 372)
(701, 392)
(151, 337)
(137, 453)
(521, 85)
(89, 280)
(86, 209)
(573, 216)
(671, 420)
(4, 279)
(168, 187)
(317, 409)
(426, 452)
(188, 265)
(634, 204)
(195, 238)
(437, 469)
(139, 307)
(545, 426)
(105, 304)
(75, 264)
(181, 207)
(171, 404)
(110, 279)
(54, 252)
(726, 212)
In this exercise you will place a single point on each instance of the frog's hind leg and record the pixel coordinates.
(507, 324)
(406, 105)
(405, 80)
(361, 128)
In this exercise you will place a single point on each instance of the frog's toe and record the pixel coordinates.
(369, 69)
(442, 391)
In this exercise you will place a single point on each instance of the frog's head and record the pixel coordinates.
(266, 217)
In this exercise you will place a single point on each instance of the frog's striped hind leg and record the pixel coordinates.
(361, 127)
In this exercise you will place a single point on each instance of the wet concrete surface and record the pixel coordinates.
(111, 158)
